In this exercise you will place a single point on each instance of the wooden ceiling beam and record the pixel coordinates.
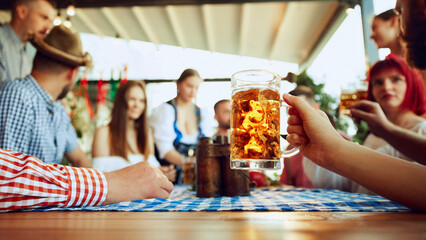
(143, 23)
(80, 13)
(208, 26)
(243, 30)
(113, 19)
(5, 4)
(278, 30)
(176, 26)
(334, 23)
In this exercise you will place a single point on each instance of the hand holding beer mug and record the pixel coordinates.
(255, 121)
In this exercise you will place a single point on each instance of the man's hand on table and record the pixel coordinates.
(139, 181)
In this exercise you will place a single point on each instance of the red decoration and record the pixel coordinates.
(124, 80)
(84, 91)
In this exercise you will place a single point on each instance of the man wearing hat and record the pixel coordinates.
(32, 120)
(28, 16)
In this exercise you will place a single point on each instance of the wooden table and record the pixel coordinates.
(212, 225)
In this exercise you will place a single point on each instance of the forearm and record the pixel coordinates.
(114, 189)
(78, 158)
(174, 157)
(84, 161)
(50, 185)
(407, 142)
(395, 179)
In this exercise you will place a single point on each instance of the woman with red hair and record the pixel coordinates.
(400, 92)
(398, 180)
(402, 75)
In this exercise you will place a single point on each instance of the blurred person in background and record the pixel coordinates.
(412, 15)
(28, 17)
(222, 114)
(397, 98)
(412, 24)
(385, 32)
(179, 123)
(126, 140)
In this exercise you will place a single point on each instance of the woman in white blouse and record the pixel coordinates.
(179, 123)
(400, 93)
(126, 140)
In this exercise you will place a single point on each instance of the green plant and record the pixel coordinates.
(361, 133)
(326, 101)
(342, 124)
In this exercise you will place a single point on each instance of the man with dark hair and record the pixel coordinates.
(222, 114)
(28, 17)
(32, 120)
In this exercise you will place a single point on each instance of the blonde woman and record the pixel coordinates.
(179, 123)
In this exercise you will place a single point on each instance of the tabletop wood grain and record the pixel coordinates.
(212, 225)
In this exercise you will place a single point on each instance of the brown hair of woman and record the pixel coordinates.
(117, 127)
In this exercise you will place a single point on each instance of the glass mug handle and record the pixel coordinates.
(295, 150)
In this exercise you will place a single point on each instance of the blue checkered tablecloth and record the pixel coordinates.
(263, 199)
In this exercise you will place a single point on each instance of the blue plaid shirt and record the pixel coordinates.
(31, 123)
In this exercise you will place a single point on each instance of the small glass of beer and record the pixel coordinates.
(188, 168)
(255, 121)
(347, 98)
(350, 95)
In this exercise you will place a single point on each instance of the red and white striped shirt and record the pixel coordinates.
(26, 182)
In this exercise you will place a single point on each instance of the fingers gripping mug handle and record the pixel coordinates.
(295, 150)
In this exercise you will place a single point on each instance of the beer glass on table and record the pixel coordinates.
(188, 168)
(255, 121)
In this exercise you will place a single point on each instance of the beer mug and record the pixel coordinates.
(188, 170)
(347, 98)
(351, 93)
(255, 121)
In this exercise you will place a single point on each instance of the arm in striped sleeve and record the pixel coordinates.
(26, 182)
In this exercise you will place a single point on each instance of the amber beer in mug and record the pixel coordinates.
(351, 95)
(347, 98)
(255, 121)
(188, 168)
